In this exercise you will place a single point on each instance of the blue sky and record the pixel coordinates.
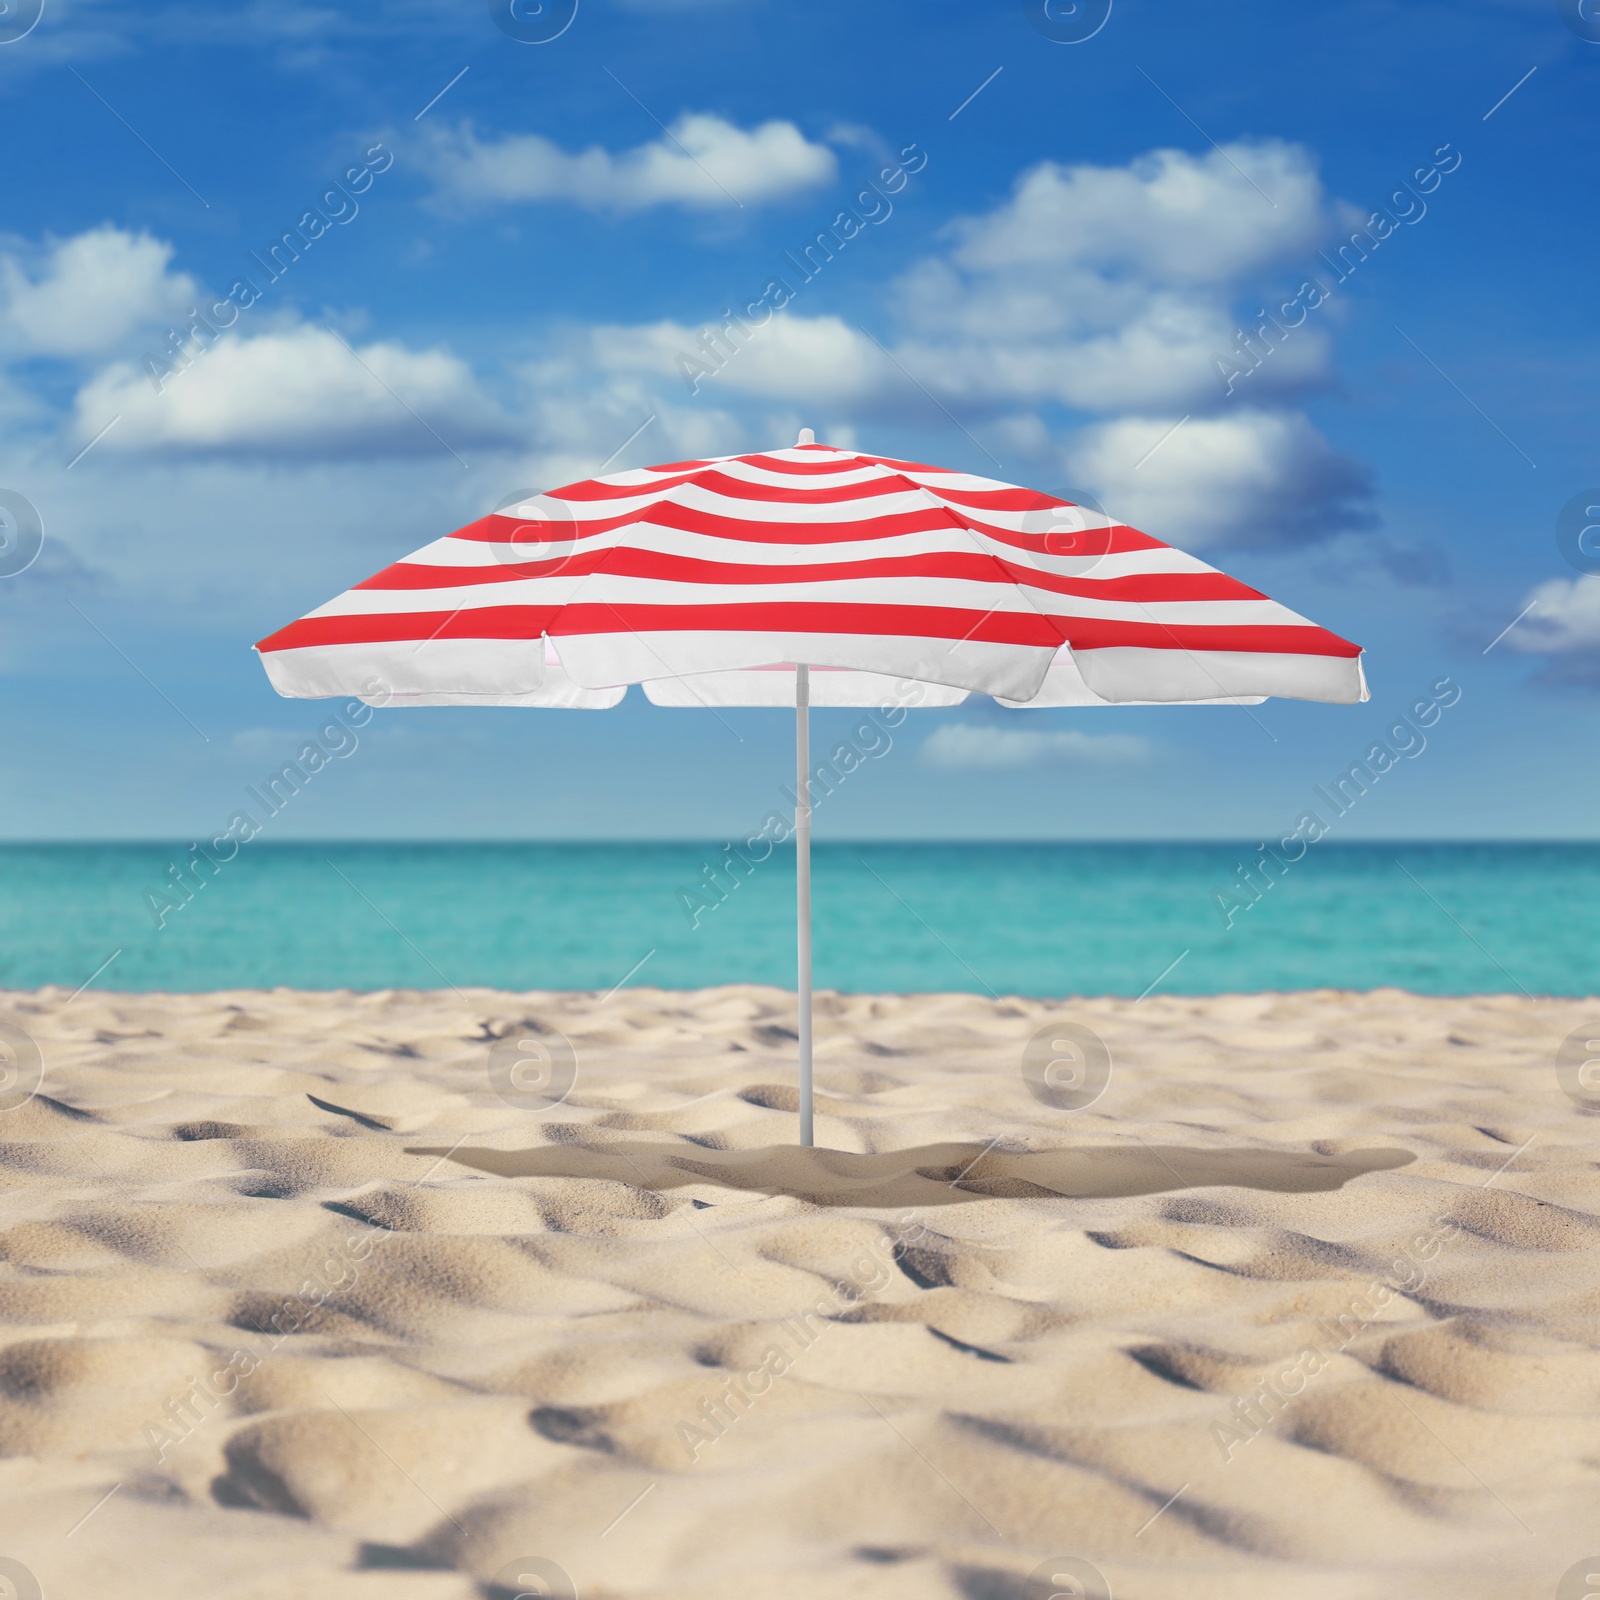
(533, 233)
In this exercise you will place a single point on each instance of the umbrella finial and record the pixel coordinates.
(806, 437)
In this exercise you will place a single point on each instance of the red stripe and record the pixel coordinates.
(953, 511)
(716, 481)
(527, 622)
(632, 561)
(843, 461)
(737, 490)
(594, 489)
(899, 466)
(806, 616)
(798, 494)
(944, 622)
(487, 622)
(891, 524)
(999, 499)
(839, 463)
(936, 622)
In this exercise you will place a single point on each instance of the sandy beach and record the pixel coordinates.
(306, 1294)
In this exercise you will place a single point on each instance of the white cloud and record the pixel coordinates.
(1565, 619)
(574, 433)
(1159, 355)
(703, 162)
(966, 746)
(294, 392)
(1090, 349)
(802, 359)
(292, 389)
(1102, 289)
(1561, 623)
(1250, 478)
(1111, 288)
(85, 294)
(1167, 217)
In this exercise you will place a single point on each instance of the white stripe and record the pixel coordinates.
(960, 594)
(891, 502)
(850, 470)
(649, 475)
(847, 459)
(1175, 676)
(697, 497)
(456, 667)
(956, 593)
(855, 469)
(964, 482)
(677, 543)
(403, 666)
(452, 667)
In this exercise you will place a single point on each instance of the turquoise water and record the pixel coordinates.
(1039, 919)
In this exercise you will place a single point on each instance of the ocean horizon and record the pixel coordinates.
(1039, 919)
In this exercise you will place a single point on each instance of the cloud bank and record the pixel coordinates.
(1072, 324)
(702, 162)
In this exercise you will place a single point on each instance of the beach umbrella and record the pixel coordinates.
(811, 576)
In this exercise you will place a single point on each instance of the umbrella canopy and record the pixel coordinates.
(697, 578)
(810, 576)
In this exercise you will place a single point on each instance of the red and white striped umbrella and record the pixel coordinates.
(691, 578)
(804, 576)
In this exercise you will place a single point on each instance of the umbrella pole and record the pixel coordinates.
(802, 882)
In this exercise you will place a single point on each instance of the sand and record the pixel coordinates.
(295, 1302)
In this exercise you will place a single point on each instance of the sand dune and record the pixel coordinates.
(318, 1295)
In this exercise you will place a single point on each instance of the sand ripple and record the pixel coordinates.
(294, 1301)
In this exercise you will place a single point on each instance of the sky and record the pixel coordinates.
(515, 222)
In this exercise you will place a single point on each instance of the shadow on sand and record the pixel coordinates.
(933, 1174)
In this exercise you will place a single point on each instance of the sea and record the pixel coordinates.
(991, 918)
